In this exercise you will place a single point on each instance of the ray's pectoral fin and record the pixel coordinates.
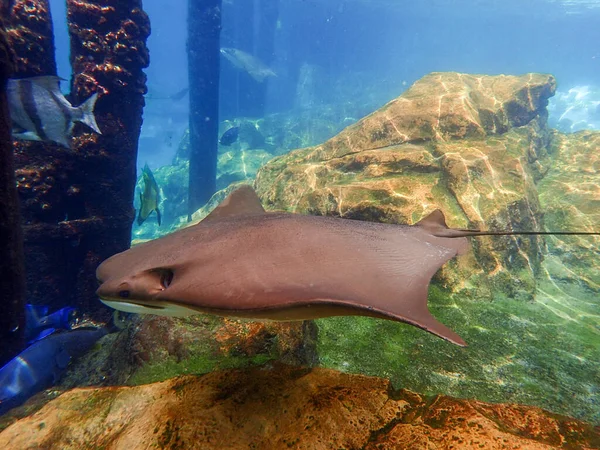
(414, 310)
(408, 272)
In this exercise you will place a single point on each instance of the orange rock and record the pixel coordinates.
(471, 145)
(285, 407)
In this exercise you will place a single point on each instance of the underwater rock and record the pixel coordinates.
(538, 342)
(570, 198)
(162, 347)
(239, 165)
(470, 145)
(154, 348)
(285, 407)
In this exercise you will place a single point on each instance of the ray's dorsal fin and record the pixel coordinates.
(241, 201)
(434, 222)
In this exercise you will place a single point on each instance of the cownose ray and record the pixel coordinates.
(241, 261)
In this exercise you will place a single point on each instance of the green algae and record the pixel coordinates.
(544, 353)
(196, 352)
(196, 364)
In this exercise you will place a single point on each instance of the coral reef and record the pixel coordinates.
(284, 407)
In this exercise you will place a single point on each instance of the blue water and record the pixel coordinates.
(382, 45)
(352, 56)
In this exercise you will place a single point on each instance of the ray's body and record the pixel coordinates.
(241, 261)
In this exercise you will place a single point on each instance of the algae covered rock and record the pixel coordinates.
(284, 407)
(478, 148)
(570, 199)
(239, 165)
(153, 348)
(470, 145)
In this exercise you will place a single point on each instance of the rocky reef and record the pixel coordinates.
(477, 147)
(285, 407)
(259, 141)
(154, 348)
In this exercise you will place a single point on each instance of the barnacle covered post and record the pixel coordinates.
(204, 29)
(41, 168)
(12, 279)
(30, 35)
(108, 53)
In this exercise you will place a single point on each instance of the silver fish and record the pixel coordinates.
(40, 112)
(248, 63)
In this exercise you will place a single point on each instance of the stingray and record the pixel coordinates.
(241, 261)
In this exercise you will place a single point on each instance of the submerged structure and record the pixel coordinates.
(12, 281)
(204, 29)
(340, 232)
(71, 216)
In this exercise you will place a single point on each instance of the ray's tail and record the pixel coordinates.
(435, 223)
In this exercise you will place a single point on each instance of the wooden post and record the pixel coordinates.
(203, 48)
(108, 55)
(12, 278)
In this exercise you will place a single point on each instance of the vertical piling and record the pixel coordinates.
(203, 48)
(12, 280)
(251, 29)
(108, 53)
(39, 166)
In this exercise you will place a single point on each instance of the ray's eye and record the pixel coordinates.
(166, 278)
(124, 294)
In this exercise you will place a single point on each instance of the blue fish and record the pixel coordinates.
(41, 365)
(39, 324)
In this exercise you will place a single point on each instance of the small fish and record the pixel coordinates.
(39, 324)
(40, 112)
(179, 95)
(241, 261)
(230, 136)
(42, 364)
(248, 63)
(149, 197)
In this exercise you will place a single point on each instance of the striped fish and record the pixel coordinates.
(149, 197)
(40, 112)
